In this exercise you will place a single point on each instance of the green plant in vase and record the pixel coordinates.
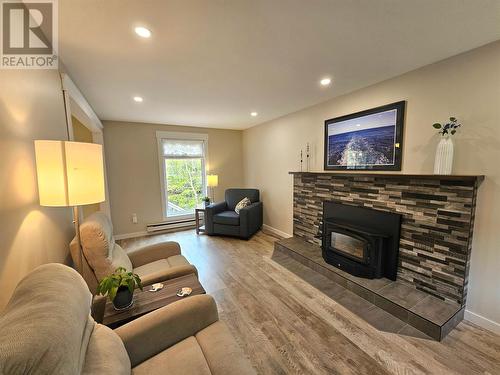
(119, 287)
(206, 201)
(450, 128)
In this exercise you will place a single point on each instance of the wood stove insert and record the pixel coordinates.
(361, 241)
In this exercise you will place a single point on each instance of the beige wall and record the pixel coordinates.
(80, 132)
(133, 169)
(466, 86)
(31, 107)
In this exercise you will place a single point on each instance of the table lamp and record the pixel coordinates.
(212, 182)
(69, 174)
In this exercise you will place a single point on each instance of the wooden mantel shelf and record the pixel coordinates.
(464, 178)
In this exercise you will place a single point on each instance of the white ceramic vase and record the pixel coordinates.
(443, 164)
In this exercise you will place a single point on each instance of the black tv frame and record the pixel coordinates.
(398, 140)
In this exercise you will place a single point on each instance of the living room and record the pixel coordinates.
(250, 187)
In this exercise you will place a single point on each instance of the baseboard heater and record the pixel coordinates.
(158, 227)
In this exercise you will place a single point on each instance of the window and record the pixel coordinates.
(182, 169)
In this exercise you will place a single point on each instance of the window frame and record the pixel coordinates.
(160, 136)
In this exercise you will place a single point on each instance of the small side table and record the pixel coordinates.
(199, 228)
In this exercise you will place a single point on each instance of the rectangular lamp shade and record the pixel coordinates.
(69, 173)
(212, 180)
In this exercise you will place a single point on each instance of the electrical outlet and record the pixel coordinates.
(134, 218)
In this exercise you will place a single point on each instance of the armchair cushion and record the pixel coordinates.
(251, 219)
(46, 327)
(177, 260)
(227, 218)
(233, 196)
(106, 353)
(151, 253)
(211, 351)
(151, 268)
(165, 269)
(99, 247)
(221, 351)
(150, 334)
(186, 357)
(210, 211)
(215, 208)
(83, 265)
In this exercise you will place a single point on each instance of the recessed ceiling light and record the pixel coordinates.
(254, 114)
(138, 99)
(325, 81)
(142, 32)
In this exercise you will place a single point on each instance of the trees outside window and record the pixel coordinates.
(182, 160)
(184, 184)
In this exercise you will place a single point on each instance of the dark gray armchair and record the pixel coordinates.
(220, 218)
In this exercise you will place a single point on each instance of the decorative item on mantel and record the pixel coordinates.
(308, 154)
(443, 163)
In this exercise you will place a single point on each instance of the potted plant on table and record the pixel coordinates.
(206, 201)
(119, 287)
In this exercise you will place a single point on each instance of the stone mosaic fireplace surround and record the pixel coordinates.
(437, 225)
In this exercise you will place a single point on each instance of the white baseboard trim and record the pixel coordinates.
(274, 231)
(125, 236)
(481, 321)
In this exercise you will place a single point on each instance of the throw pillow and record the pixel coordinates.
(242, 204)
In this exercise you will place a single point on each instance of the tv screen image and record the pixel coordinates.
(365, 140)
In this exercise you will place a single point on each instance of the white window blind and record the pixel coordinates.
(181, 148)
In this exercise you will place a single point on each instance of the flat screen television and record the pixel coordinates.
(371, 139)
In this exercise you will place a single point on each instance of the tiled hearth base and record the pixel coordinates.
(431, 315)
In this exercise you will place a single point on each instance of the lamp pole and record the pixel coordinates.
(212, 182)
(76, 223)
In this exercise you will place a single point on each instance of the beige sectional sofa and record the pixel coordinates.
(46, 328)
(102, 255)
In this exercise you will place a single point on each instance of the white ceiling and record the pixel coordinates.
(212, 62)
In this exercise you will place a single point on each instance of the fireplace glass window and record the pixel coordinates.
(348, 245)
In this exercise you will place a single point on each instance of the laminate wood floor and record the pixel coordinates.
(290, 320)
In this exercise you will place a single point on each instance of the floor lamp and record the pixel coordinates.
(212, 182)
(70, 174)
